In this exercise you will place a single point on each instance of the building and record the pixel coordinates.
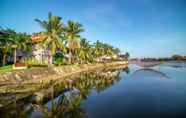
(41, 54)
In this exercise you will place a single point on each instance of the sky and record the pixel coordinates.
(144, 28)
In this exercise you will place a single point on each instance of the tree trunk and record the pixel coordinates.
(4, 58)
(15, 55)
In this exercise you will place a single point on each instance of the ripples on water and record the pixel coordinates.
(158, 92)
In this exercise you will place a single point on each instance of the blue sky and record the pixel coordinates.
(144, 28)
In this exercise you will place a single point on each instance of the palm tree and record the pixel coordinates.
(116, 51)
(14, 40)
(72, 31)
(6, 42)
(127, 55)
(4, 49)
(85, 50)
(98, 49)
(53, 34)
(22, 41)
(22, 44)
(108, 49)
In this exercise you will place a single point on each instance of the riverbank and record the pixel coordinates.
(45, 74)
(23, 82)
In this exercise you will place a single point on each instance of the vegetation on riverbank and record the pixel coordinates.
(6, 69)
(175, 57)
(62, 40)
(67, 53)
(179, 57)
(9, 81)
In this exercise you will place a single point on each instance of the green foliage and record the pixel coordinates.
(178, 57)
(34, 62)
(56, 35)
(127, 55)
(6, 68)
(85, 51)
(58, 58)
(53, 33)
(66, 37)
(101, 49)
(71, 32)
(10, 39)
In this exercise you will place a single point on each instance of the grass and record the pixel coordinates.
(6, 69)
(9, 68)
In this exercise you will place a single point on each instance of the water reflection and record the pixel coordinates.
(175, 64)
(109, 93)
(66, 96)
(148, 72)
(67, 105)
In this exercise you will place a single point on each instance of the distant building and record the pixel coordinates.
(38, 51)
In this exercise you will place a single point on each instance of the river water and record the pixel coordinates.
(158, 92)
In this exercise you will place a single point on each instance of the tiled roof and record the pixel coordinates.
(37, 38)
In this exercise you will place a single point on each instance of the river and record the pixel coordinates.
(157, 92)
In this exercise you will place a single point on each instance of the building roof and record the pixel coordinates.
(73, 44)
(37, 38)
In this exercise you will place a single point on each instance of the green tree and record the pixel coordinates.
(98, 49)
(53, 34)
(85, 51)
(108, 49)
(72, 31)
(58, 58)
(10, 39)
(127, 55)
(116, 51)
(177, 57)
(5, 43)
(20, 42)
(101, 49)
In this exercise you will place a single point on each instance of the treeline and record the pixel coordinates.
(178, 57)
(10, 40)
(58, 37)
(172, 58)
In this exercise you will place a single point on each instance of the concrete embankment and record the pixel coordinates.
(23, 83)
(14, 81)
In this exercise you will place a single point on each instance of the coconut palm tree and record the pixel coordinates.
(53, 34)
(6, 42)
(13, 40)
(20, 42)
(98, 49)
(72, 31)
(108, 49)
(116, 51)
(5, 50)
(85, 51)
(127, 55)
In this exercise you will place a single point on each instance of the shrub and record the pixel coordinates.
(34, 62)
(58, 58)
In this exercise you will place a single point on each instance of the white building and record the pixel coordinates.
(41, 54)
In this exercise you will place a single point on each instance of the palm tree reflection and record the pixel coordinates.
(67, 95)
(68, 104)
(64, 106)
